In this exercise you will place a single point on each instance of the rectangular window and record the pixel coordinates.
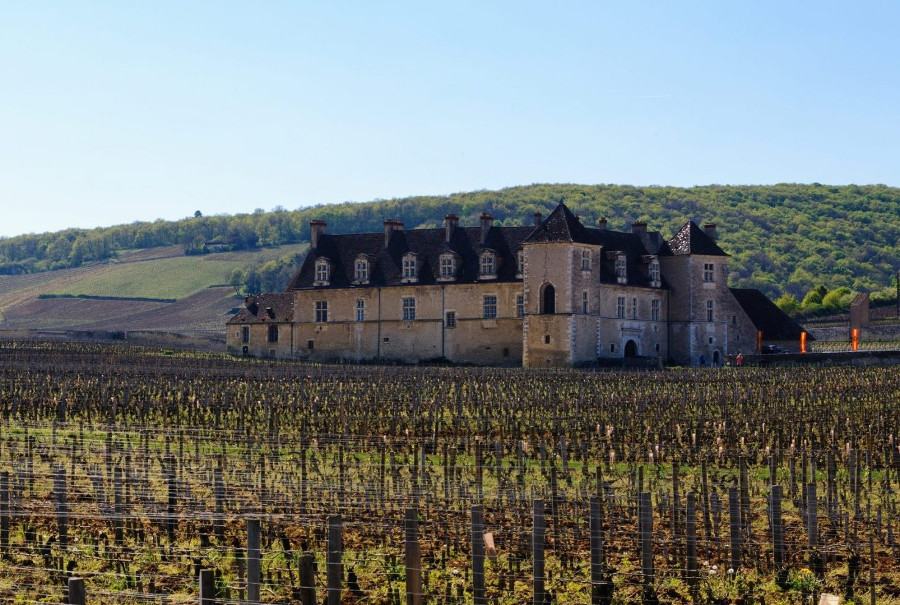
(310, 344)
(520, 262)
(620, 307)
(448, 266)
(520, 305)
(321, 311)
(633, 308)
(362, 270)
(654, 309)
(734, 320)
(409, 267)
(621, 269)
(709, 272)
(245, 334)
(487, 265)
(273, 333)
(584, 302)
(709, 310)
(585, 260)
(360, 310)
(654, 272)
(450, 319)
(409, 309)
(490, 307)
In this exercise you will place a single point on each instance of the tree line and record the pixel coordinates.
(785, 239)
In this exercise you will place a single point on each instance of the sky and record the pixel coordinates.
(123, 111)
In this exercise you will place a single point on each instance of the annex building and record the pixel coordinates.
(558, 293)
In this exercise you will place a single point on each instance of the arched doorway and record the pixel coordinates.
(631, 349)
(548, 300)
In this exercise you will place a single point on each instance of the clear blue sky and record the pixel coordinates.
(112, 112)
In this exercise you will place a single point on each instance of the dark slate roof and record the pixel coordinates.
(691, 239)
(774, 323)
(560, 226)
(269, 308)
(386, 264)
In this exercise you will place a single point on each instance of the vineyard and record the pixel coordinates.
(139, 476)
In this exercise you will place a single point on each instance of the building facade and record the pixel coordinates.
(557, 293)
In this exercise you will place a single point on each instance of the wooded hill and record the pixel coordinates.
(784, 239)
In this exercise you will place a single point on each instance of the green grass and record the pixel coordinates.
(165, 278)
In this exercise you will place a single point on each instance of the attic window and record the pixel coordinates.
(448, 267)
(323, 272)
(410, 273)
(488, 265)
(655, 279)
(621, 268)
(361, 271)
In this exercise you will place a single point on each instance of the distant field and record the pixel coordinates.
(160, 273)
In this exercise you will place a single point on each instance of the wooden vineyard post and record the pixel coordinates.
(778, 554)
(76, 591)
(413, 559)
(117, 507)
(4, 513)
(872, 570)
(645, 525)
(537, 551)
(734, 521)
(207, 587)
(691, 575)
(334, 565)
(219, 493)
(307, 580)
(59, 492)
(478, 555)
(815, 563)
(253, 559)
(601, 589)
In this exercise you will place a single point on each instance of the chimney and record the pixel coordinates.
(391, 225)
(487, 221)
(639, 228)
(450, 223)
(537, 218)
(250, 303)
(601, 224)
(710, 230)
(316, 230)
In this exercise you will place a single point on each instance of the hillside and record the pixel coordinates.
(154, 289)
(784, 238)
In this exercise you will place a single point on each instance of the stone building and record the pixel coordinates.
(557, 293)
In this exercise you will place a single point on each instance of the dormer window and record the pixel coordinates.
(323, 272)
(361, 270)
(621, 269)
(448, 267)
(655, 279)
(520, 263)
(488, 265)
(410, 270)
(585, 260)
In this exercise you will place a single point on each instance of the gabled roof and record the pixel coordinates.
(774, 323)
(268, 308)
(386, 263)
(691, 239)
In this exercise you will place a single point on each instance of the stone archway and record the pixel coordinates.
(631, 349)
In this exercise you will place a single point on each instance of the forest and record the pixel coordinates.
(798, 243)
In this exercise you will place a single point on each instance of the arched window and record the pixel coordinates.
(548, 300)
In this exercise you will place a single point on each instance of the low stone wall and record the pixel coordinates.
(194, 341)
(843, 358)
(876, 333)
